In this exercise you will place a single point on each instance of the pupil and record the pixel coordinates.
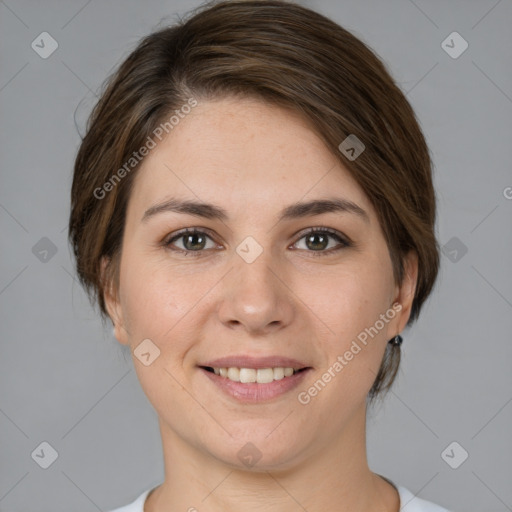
(191, 237)
(312, 237)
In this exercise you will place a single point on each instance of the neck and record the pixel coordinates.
(335, 478)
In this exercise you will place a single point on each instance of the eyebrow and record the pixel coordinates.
(293, 211)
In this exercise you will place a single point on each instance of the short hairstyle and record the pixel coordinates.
(286, 55)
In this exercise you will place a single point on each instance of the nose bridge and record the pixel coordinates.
(253, 294)
(253, 274)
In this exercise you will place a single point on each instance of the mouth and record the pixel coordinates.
(254, 375)
(254, 385)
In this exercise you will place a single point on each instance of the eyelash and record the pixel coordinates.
(344, 241)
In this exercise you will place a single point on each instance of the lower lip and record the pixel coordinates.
(253, 392)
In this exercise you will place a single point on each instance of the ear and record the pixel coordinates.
(112, 303)
(405, 292)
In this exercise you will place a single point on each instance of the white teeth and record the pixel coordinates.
(279, 373)
(265, 375)
(233, 374)
(260, 375)
(244, 375)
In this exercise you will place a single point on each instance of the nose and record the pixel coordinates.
(255, 296)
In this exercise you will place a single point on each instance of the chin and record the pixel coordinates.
(258, 453)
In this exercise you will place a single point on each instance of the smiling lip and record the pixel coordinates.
(254, 392)
(242, 361)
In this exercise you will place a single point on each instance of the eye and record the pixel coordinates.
(317, 241)
(192, 240)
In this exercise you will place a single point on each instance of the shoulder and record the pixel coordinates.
(135, 506)
(411, 503)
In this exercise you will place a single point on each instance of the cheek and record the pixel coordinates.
(155, 300)
(353, 304)
(158, 305)
(353, 300)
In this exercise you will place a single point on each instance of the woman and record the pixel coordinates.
(252, 207)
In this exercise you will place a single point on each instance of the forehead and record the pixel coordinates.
(245, 153)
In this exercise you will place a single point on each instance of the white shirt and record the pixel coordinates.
(408, 503)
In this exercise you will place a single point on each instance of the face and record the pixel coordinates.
(267, 279)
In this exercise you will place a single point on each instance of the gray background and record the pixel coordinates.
(66, 381)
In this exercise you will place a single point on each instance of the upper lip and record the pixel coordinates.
(243, 361)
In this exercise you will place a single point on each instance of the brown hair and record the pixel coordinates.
(284, 54)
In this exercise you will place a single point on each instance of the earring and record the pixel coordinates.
(396, 341)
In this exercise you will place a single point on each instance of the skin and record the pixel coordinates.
(253, 159)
